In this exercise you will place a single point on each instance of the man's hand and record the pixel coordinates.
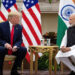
(14, 49)
(65, 49)
(8, 46)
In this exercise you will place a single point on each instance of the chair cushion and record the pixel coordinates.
(9, 58)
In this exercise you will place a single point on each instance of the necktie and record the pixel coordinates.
(11, 40)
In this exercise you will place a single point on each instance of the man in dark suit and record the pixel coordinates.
(10, 41)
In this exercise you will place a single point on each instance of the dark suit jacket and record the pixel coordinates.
(5, 34)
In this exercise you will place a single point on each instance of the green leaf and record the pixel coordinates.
(50, 1)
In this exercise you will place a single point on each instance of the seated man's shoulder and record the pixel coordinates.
(72, 27)
(19, 26)
(3, 23)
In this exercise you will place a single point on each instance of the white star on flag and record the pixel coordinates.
(32, 1)
(6, 5)
(28, 1)
(3, 0)
(27, 5)
(7, 1)
(11, 2)
(24, 0)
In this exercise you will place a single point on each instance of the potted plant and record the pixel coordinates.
(50, 1)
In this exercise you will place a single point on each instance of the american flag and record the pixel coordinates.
(6, 7)
(31, 22)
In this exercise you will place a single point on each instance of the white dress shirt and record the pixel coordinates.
(10, 25)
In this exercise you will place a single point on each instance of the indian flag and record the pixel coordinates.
(66, 8)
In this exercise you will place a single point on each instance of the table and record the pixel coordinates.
(42, 49)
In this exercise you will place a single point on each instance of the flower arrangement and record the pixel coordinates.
(51, 35)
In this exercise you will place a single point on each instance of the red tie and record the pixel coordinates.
(11, 36)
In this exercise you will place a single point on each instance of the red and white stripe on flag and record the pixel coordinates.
(6, 7)
(31, 22)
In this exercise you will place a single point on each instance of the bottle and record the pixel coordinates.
(42, 42)
(48, 42)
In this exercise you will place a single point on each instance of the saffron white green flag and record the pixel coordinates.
(66, 8)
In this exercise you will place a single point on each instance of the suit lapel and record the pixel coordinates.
(8, 29)
(15, 32)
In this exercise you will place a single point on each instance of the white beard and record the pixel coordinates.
(72, 25)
